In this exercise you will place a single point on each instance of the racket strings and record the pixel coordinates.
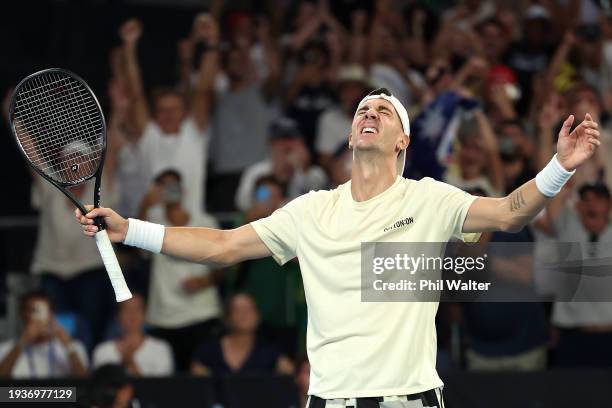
(59, 127)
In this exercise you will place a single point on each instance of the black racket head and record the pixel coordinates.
(59, 126)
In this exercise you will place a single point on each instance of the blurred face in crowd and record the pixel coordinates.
(288, 154)
(585, 100)
(594, 210)
(518, 136)
(377, 128)
(493, 40)
(243, 317)
(238, 64)
(131, 315)
(169, 112)
(471, 156)
(387, 46)
(38, 309)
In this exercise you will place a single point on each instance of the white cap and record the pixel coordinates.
(383, 93)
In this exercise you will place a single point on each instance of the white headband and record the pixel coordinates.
(403, 116)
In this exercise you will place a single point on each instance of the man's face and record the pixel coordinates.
(493, 40)
(169, 113)
(594, 211)
(238, 64)
(377, 127)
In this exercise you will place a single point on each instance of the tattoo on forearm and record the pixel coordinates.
(517, 201)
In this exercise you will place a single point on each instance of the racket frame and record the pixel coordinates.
(63, 187)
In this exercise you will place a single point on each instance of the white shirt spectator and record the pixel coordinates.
(153, 357)
(46, 360)
(333, 128)
(582, 313)
(186, 152)
(169, 306)
(313, 179)
(60, 248)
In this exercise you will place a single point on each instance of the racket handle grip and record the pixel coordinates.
(122, 292)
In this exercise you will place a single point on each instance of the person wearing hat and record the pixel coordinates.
(361, 352)
(288, 162)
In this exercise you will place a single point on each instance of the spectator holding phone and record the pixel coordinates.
(184, 306)
(289, 164)
(44, 349)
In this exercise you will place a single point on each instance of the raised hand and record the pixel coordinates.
(131, 31)
(576, 147)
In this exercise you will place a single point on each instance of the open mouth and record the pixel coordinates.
(369, 129)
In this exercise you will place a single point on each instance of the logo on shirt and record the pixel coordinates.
(399, 224)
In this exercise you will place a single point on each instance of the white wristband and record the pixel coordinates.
(145, 235)
(551, 178)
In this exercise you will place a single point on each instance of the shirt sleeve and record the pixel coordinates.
(102, 355)
(452, 204)
(280, 231)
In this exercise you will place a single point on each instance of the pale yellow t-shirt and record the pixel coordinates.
(359, 349)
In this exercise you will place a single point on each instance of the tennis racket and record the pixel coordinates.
(61, 131)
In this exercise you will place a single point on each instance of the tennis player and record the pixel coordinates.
(365, 354)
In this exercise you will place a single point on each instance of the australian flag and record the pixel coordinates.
(432, 136)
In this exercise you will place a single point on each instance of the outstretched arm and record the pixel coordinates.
(203, 245)
(513, 212)
(139, 114)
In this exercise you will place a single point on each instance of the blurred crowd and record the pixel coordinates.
(260, 114)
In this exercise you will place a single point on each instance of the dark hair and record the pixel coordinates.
(163, 91)
(379, 91)
(598, 188)
(491, 21)
(34, 294)
(167, 172)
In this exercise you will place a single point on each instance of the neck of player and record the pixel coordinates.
(371, 174)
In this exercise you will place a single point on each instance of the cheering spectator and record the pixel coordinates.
(183, 306)
(310, 91)
(176, 136)
(141, 355)
(584, 327)
(289, 164)
(44, 349)
(241, 351)
(237, 144)
(478, 158)
(516, 152)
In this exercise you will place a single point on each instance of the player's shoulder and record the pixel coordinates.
(433, 186)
